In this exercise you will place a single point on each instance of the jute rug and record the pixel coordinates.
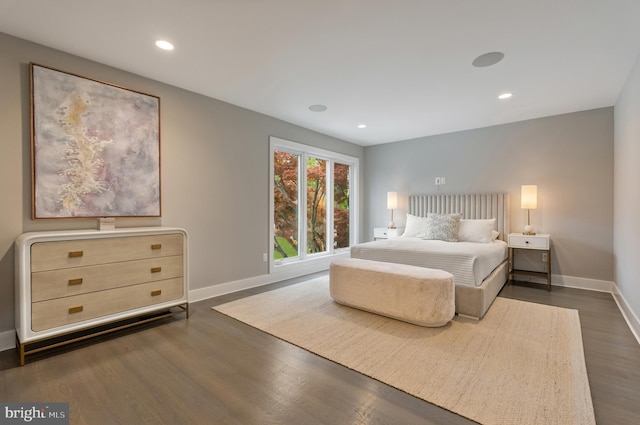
(523, 363)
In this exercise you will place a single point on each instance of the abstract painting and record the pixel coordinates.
(95, 148)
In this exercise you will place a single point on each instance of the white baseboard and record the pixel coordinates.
(628, 314)
(7, 340)
(572, 282)
(582, 283)
(289, 271)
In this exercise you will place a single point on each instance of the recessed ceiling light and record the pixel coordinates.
(487, 59)
(362, 126)
(317, 108)
(164, 45)
(505, 96)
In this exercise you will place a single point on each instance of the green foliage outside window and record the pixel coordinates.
(286, 192)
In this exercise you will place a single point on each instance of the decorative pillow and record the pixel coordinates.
(476, 230)
(495, 234)
(443, 227)
(415, 226)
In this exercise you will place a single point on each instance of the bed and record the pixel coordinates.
(479, 263)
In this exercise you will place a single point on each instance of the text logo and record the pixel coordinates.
(34, 413)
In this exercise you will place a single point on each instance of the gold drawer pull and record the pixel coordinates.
(156, 246)
(75, 309)
(156, 292)
(156, 269)
(76, 254)
(75, 281)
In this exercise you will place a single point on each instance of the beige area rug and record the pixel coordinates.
(523, 363)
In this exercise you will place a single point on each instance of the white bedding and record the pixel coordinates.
(469, 262)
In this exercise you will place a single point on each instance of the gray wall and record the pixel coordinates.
(569, 157)
(215, 176)
(627, 193)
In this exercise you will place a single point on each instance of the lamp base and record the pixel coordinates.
(391, 225)
(528, 230)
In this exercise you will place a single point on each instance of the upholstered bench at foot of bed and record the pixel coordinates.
(413, 294)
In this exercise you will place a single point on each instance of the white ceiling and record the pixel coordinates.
(403, 67)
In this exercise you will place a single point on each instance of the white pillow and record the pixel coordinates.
(443, 227)
(415, 226)
(476, 230)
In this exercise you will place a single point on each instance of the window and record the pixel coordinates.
(286, 176)
(316, 205)
(341, 204)
(312, 201)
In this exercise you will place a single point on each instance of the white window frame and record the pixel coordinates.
(306, 151)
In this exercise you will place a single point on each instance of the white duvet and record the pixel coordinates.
(469, 262)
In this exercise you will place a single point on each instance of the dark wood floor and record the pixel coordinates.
(211, 369)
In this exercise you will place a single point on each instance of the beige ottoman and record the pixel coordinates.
(418, 295)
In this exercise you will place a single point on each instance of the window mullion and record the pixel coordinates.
(302, 206)
(330, 207)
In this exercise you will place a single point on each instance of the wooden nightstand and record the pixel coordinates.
(539, 242)
(385, 233)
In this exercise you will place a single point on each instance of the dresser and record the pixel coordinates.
(73, 281)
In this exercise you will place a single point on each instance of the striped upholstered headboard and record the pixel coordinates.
(472, 206)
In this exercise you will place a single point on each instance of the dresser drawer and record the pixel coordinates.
(79, 280)
(86, 252)
(529, 241)
(62, 311)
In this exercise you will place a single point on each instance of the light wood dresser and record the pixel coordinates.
(73, 285)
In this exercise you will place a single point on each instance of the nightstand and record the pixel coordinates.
(539, 242)
(385, 233)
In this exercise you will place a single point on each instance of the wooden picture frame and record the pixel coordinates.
(95, 148)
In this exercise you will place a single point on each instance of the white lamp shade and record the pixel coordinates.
(529, 197)
(392, 200)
